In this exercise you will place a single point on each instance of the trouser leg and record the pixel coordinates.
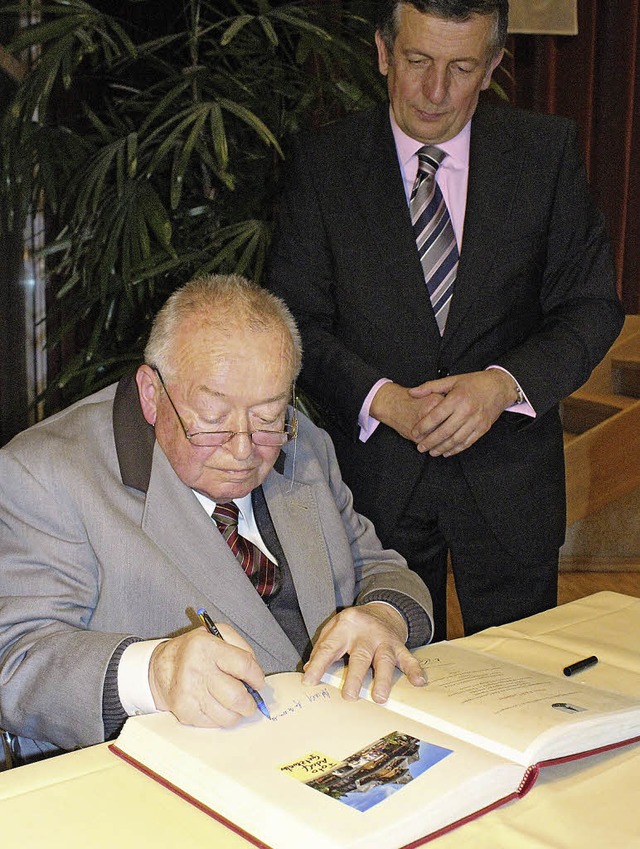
(492, 584)
(440, 516)
(414, 533)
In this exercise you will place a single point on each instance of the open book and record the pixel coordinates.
(324, 773)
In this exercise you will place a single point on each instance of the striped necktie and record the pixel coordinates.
(263, 574)
(434, 234)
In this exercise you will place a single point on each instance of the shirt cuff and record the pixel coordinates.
(133, 678)
(525, 408)
(367, 423)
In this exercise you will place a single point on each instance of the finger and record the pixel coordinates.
(384, 667)
(453, 445)
(199, 678)
(441, 386)
(452, 432)
(359, 664)
(461, 446)
(428, 405)
(440, 439)
(227, 696)
(444, 451)
(429, 425)
(444, 413)
(233, 638)
(204, 710)
(411, 667)
(465, 437)
(238, 664)
(233, 654)
(325, 652)
(198, 692)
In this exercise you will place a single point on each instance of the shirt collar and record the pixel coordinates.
(457, 148)
(244, 505)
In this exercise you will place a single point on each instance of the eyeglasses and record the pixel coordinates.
(215, 438)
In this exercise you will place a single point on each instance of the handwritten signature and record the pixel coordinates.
(299, 704)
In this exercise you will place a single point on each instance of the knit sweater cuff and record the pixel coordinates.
(417, 619)
(113, 714)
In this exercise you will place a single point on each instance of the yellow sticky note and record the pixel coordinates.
(310, 766)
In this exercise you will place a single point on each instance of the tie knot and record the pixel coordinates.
(226, 513)
(429, 158)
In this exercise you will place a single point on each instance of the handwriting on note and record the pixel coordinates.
(309, 766)
(297, 704)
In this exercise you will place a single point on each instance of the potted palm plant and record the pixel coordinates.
(151, 140)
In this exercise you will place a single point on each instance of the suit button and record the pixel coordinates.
(443, 372)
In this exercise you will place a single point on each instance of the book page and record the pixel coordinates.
(323, 772)
(511, 710)
(605, 624)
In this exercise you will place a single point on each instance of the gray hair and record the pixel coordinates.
(454, 10)
(220, 302)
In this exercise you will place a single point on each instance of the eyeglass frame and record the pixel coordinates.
(288, 435)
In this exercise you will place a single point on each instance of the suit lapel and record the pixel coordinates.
(378, 186)
(493, 172)
(175, 521)
(494, 167)
(297, 522)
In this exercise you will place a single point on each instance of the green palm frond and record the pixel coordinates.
(152, 136)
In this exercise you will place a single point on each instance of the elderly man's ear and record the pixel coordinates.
(148, 390)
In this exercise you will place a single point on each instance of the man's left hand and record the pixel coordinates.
(373, 635)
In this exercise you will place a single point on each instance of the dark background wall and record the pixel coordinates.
(594, 78)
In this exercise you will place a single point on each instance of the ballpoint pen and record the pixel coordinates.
(210, 625)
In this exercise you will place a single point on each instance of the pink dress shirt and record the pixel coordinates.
(452, 177)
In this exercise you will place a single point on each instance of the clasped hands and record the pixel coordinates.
(445, 416)
(199, 677)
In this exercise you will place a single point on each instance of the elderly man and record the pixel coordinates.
(107, 543)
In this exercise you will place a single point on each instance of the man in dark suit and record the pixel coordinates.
(107, 544)
(447, 427)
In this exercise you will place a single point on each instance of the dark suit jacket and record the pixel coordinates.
(535, 293)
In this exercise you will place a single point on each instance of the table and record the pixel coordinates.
(92, 798)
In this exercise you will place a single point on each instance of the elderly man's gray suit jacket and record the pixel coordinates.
(100, 540)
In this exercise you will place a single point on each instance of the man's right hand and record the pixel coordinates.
(198, 677)
(394, 406)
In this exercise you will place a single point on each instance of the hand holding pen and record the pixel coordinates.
(210, 625)
(202, 681)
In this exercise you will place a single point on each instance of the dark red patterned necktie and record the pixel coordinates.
(262, 573)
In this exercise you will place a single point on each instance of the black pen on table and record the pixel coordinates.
(210, 625)
(579, 665)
